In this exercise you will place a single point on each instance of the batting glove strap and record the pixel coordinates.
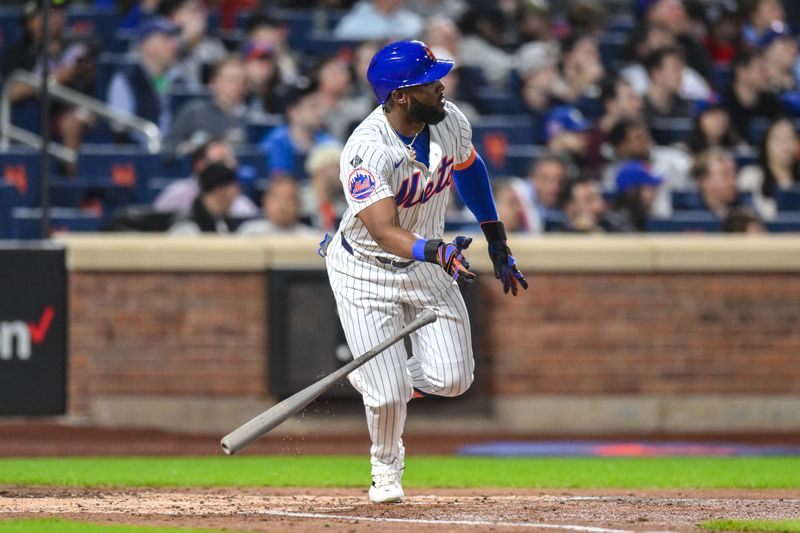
(431, 250)
(452, 261)
(494, 231)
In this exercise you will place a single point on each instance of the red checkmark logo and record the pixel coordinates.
(38, 331)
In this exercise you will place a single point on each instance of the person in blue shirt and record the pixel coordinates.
(287, 146)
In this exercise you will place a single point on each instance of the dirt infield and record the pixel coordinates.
(347, 510)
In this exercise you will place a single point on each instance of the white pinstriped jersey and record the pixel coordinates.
(375, 164)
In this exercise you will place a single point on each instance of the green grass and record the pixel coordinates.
(68, 526)
(767, 526)
(421, 472)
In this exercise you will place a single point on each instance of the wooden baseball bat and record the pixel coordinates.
(239, 438)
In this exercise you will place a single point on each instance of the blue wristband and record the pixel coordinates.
(418, 250)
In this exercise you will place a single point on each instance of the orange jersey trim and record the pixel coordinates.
(469, 161)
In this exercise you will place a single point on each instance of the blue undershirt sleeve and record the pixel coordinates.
(472, 184)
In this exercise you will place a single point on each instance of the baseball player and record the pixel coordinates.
(387, 261)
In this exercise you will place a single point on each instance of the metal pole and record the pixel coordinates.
(45, 96)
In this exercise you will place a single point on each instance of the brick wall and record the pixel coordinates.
(647, 334)
(203, 335)
(165, 334)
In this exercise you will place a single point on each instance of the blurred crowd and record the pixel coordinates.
(637, 110)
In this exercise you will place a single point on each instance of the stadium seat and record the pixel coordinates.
(93, 194)
(785, 223)
(788, 200)
(154, 187)
(21, 168)
(686, 201)
(496, 101)
(686, 222)
(27, 115)
(26, 221)
(100, 23)
(611, 45)
(514, 160)
(126, 166)
(10, 27)
(493, 133)
(8, 199)
(178, 99)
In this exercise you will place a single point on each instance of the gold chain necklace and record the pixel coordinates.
(412, 153)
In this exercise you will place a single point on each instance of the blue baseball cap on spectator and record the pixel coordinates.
(710, 104)
(565, 118)
(777, 30)
(156, 25)
(635, 174)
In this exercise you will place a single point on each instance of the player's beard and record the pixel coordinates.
(429, 114)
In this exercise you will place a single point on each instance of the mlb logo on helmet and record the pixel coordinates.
(361, 184)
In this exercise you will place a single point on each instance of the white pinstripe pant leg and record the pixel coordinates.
(443, 362)
(370, 313)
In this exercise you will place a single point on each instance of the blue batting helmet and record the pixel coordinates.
(404, 64)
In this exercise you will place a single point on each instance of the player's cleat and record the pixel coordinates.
(418, 394)
(387, 487)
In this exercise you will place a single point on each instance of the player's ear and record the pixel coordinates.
(399, 96)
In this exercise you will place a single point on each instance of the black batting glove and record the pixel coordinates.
(505, 267)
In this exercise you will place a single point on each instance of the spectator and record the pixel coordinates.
(71, 64)
(540, 191)
(630, 140)
(537, 67)
(587, 17)
(779, 47)
(178, 196)
(663, 100)
(635, 195)
(509, 207)
(581, 69)
(288, 145)
(748, 97)
(724, 32)
(712, 128)
(778, 168)
(759, 16)
(334, 80)
(566, 134)
(583, 206)
(281, 201)
(197, 51)
(361, 101)
(218, 190)
(482, 45)
(619, 101)
(324, 203)
(715, 173)
(533, 22)
(646, 40)
(453, 87)
(265, 90)
(673, 17)
(221, 117)
(263, 30)
(141, 89)
(442, 33)
(743, 219)
(379, 20)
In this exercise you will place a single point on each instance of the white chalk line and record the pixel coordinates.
(587, 529)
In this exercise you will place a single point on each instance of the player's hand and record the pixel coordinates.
(450, 258)
(505, 267)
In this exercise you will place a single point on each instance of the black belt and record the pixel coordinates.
(383, 260)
